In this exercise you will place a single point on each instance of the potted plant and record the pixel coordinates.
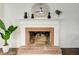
(6, 35)
(58, 12)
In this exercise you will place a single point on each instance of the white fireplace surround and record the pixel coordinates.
(47, 23)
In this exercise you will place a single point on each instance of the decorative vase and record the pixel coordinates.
(5, 49)
(32, 16)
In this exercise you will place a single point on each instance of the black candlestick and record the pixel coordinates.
(49, 15)
(32, 16)
(25, 15)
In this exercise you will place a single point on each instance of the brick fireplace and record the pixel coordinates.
(40, 36)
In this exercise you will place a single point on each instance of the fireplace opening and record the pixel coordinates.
(40, 38)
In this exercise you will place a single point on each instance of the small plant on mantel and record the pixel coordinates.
(58, 12)
(6, 32)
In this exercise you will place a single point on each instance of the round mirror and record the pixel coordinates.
(40, 10)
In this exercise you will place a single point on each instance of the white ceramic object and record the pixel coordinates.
(5, 49)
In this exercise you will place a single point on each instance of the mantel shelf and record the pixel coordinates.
(38, 20)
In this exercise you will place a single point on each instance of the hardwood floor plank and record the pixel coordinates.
(12, 51)
(70, 51)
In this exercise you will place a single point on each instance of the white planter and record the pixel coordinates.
(5, 49)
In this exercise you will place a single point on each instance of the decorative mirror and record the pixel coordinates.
(40, 10)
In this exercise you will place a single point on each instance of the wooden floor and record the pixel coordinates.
(70, 51)
(12, 51)
(65, 51)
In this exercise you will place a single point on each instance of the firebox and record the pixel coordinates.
(39, 37)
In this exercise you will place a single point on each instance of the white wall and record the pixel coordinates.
(1, 17)
(1, 11)
(69, 25)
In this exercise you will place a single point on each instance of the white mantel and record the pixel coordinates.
(28, 23)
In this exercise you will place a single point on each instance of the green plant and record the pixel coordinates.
(7, 32)
(58, 12)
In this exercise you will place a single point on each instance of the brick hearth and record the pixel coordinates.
(32, 50)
